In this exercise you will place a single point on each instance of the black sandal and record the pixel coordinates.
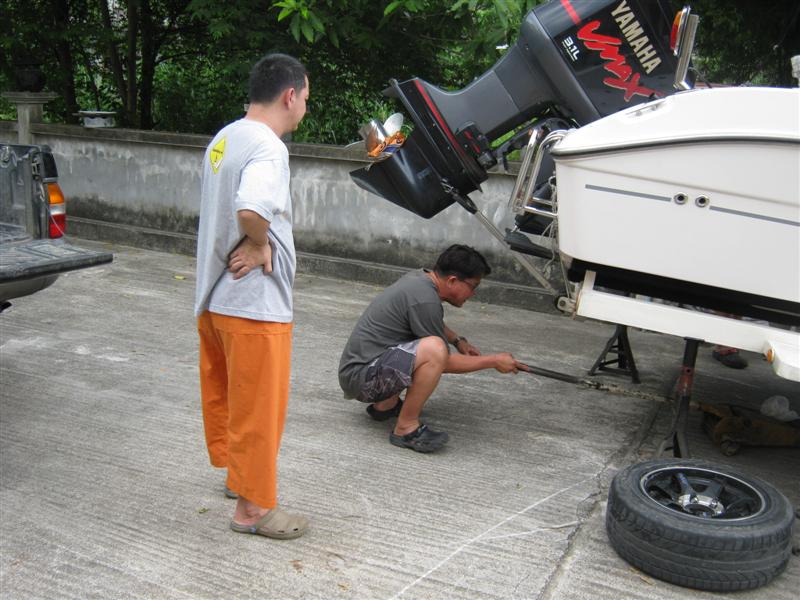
(421, 439)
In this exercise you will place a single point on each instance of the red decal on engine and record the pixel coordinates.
(608, 46)
(573, 14)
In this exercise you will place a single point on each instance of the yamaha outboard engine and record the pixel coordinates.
(575, 60)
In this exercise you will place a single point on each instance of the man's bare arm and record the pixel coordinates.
(254, 226)
(462, 345)
(464, 363)
(254, 250)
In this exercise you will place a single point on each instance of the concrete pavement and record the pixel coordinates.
(106, 491)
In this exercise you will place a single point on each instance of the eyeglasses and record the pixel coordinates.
(472, 286)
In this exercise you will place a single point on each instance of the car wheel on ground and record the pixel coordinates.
(697, 525)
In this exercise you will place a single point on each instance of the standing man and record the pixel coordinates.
(401, 342)
(243, 304)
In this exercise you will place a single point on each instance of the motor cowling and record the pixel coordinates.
(579, 60)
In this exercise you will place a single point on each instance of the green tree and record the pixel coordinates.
(746, 42)
(97, 54)
(182, 65)
(353, 48)
(45, 33)
(133, 39)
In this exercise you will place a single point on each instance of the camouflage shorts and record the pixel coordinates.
(390, 373)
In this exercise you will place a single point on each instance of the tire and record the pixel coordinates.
(742, 543)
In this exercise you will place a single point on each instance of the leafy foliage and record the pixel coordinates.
(444, 41)
(182, 65)
(741, 41)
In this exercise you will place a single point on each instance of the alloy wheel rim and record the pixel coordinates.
(702, 493)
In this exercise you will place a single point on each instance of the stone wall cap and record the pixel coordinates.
(30, 97)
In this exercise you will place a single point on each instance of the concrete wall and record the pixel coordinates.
(142, 188)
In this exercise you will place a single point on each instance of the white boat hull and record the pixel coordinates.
(702, 187)
(697, 194)
(619, 209)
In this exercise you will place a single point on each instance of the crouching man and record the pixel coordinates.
(402, 343)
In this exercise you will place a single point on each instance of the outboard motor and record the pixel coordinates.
(575, 61)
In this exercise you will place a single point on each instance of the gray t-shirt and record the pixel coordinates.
(407, 310)
(246, 167)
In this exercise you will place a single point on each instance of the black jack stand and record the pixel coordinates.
(619, 345)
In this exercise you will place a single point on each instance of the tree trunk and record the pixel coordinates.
(64, 55)
(133, 33)
(149, 52)
(113, 58)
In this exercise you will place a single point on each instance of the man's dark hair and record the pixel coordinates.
(273, 74)
(463, 262)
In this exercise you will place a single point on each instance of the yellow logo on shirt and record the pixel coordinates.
(217, 152)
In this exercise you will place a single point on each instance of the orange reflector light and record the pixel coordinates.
(55, 193)
(770, 355)
(677, 29)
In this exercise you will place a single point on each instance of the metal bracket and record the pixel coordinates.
(566, 305)
(522, 195)
(522, 259)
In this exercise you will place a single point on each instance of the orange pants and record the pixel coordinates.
(244, 384)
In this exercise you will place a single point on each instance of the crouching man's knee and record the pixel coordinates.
(432, 350)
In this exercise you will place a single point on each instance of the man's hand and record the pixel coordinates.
(464, 347)
(505, 363)
(248, 256)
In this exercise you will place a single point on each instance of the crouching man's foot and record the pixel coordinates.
(276, 524)
(422, 439)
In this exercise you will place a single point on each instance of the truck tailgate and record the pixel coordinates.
(37, 258)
